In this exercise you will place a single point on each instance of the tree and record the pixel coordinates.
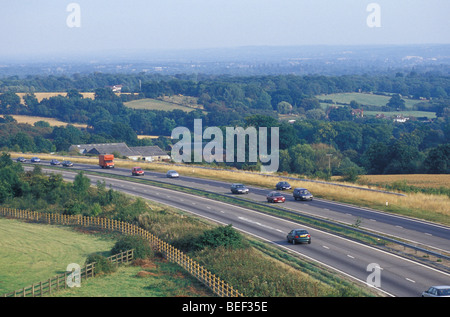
(438, 160)
(9, 102)
(396, 102)
(81, 184)
(340, 114)
(349, 135)
(376, 158)
(284, 107)
(403, 158)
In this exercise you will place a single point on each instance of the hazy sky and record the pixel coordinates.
(31, 27)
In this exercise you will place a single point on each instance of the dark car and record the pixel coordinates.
(54, 162)
(239, 189)
(21, 159)
(298, 236)
(137, 171)
(275, 197)
(437, 291)
(302, 194)
(35, 160)
(67, 163)
(283, 186)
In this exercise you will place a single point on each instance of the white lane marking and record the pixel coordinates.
(257, 223)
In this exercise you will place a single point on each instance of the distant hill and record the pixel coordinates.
(247, 60)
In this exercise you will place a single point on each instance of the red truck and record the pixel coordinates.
(106, 160)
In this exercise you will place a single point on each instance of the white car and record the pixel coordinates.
(437, 291)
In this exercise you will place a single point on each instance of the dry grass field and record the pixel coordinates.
(53, 122)
(418, 180)
(43, 95)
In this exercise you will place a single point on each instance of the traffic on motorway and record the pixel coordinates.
(269, 230)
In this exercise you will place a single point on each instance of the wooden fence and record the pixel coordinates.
(60, 281)
(217, 285)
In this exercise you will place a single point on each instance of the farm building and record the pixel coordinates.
(147, 153)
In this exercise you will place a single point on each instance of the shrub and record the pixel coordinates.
(142, 249)
(102, 265)
(220, 237)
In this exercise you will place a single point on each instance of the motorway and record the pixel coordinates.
(398, 276)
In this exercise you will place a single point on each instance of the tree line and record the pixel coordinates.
(336, 143)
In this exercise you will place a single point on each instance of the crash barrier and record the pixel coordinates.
(63, 281)
(217, 285)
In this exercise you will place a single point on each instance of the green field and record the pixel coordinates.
(154, 104)
(366, 99)
(30, 253)
(162, 280)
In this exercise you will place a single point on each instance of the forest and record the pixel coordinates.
(320, 142)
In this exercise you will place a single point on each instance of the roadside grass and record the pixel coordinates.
(435, 181)
(258, 269)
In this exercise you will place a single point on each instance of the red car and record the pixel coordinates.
(275, 197)
(136, 171)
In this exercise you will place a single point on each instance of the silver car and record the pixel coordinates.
(437, 291)
(239, 189)
(172, 174)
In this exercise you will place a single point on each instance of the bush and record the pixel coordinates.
(142, 249)
(220, 237)
(102, 265)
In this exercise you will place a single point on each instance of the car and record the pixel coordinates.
(302, 194)
(437, 291)
(67, 163)
(21, 159)
(54, 162)
(137, 171)
(172, 174)
(35, 160)
(283, 186)
(275, 197)
(298, 236)
(239, 189)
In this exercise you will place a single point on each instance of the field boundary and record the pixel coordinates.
(213, 282)
(60, 281)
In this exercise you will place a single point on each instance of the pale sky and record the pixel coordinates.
(40, 27)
